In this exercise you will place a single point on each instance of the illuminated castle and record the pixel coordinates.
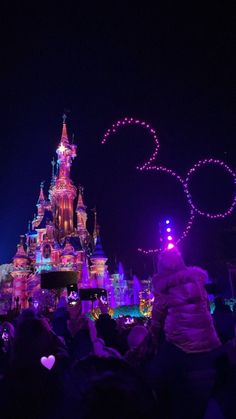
(53, 242)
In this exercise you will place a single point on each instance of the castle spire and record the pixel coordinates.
(80, 201)
(53, 163)
(64, 135)
(41, 194)
(66, 152)
(98, 252)
(81, 211)
(40, 203)
(96, 226)
(63, 192)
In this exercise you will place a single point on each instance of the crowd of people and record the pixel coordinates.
(178, 364)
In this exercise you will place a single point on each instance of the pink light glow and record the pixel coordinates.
(170, 246)
(198, 165)
(168, 230)
(169, 238)
(131, 121)
(61, 148)
(184, 182)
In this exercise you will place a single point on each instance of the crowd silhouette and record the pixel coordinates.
(180, 364)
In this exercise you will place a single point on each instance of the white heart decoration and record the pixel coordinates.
(48, 362)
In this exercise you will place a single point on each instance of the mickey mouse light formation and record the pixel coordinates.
(149, 165)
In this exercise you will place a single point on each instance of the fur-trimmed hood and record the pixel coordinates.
(192, 274)
(181, 305)
(181, 308)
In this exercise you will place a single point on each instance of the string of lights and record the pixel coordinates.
(198, 165)
(147, 166)
(143, 124)
(191, 209)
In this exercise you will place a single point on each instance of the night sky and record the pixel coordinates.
(174, 68)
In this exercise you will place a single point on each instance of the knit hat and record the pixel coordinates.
(170, 262)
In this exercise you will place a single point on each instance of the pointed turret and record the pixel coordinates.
(96, 227)
(64, 135)
(81, 212)
(66, 152)
(98, 252)
(80, 202)
(41, 199)
(53, 178)
(42, 205)
(63, 192)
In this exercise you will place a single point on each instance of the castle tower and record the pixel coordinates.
(21, 271)
(63, 192)
(99, 268)
(96, 226)
(81, 213)
(41, 201)
(40, 207)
